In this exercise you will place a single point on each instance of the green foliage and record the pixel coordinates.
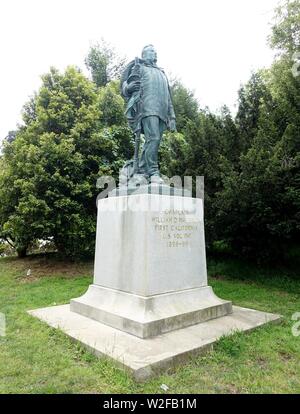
(251, 96)
(259, 205)
(207, 149)
(75, 131)
(173, 153)
(104, 64)
(2, 247)
(286, 28)
(185, 105)
(111, 105)
(11, 136)
(49, 174)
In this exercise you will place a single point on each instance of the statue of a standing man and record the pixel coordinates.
(149, 109)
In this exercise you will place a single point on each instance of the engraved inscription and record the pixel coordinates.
(175, 228)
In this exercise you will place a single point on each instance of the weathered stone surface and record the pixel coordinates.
(146, 357)
(153, 315)
(160, 189)
(150, 244)
(150, 266)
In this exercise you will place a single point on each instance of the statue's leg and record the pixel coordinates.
(153, 128)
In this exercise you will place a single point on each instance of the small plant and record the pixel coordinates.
(232, 345)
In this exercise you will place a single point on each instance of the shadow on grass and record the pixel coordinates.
(285, 276)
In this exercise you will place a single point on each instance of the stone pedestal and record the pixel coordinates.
(150, 307)
(150, 266)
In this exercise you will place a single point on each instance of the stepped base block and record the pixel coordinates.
(146, 357)
(152, 315)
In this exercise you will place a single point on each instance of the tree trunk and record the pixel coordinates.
(22, 252)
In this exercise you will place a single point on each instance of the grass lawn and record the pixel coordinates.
(35, 358)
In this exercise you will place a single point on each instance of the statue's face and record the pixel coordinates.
(150, 54)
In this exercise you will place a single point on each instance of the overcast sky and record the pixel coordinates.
(212, 45)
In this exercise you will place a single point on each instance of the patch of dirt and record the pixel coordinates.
(285, 356)
(218, 277)
(232, 389)
(232, 279)
(35, 267)
(262, 362)
(282, 293)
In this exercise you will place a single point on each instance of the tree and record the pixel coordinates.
(258, 208)
(22, 215)
(233, 145)
(104, 64)
(185, 105)
(251, 96)
(10, 137)
(111, 105)
(49, 174)
(285, 35)
(173, 155)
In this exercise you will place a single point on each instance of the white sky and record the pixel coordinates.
(212, 45)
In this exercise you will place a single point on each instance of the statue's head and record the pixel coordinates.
(149, 54)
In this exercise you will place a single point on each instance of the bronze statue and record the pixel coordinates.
(149, 111)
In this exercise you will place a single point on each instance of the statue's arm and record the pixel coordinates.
(125, 75)
(125, 90)
(129, 87)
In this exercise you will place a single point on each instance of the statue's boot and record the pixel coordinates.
(156, 179)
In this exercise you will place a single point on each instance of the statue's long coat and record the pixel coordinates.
(154, 97)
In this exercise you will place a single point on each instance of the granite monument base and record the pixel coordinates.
(150, 304)
(146, 317)
(150, 266)
(144, 358)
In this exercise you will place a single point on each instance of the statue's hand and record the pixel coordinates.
(133, 87)
(172, 125)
